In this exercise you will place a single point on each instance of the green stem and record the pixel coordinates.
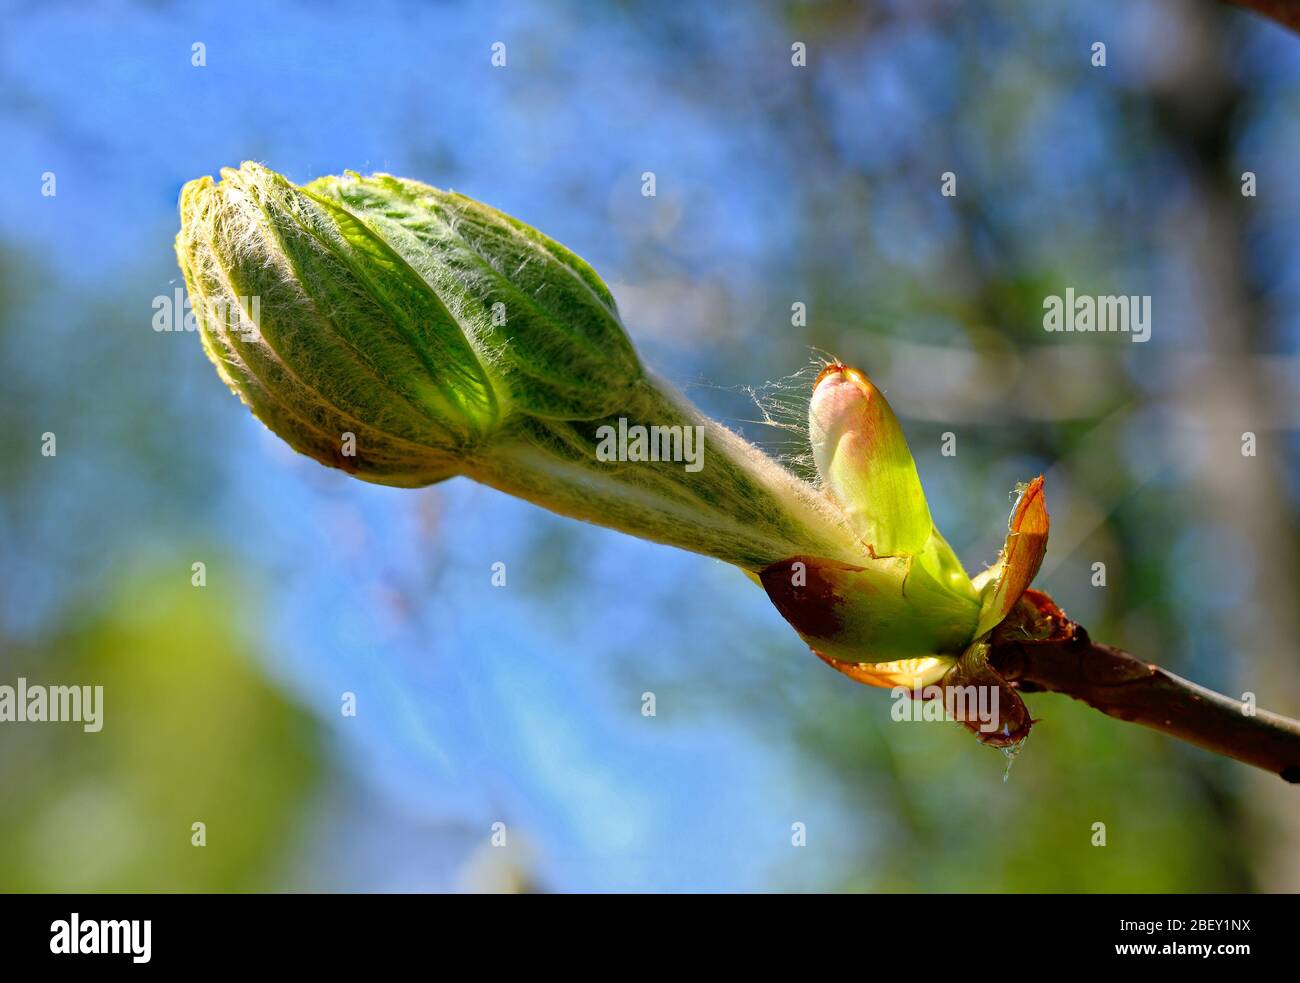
(740, 506)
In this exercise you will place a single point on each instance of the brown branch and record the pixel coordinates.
(1283, 11)
(1121, 685)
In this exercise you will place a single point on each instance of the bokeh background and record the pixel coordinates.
(522, 705)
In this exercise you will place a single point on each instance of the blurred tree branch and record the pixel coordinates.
(1285, 12)
(1061, 658)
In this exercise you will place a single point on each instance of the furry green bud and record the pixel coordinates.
(365, 307)
(407, 334)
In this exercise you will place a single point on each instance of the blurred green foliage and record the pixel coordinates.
(193, 732)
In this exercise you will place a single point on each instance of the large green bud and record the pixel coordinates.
(407, 334)
(377, 308)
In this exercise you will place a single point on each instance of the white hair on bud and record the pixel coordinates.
(783, 406)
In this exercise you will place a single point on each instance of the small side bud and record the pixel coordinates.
(1005, 581)
(864, 462)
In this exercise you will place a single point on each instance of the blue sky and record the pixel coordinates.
(523, 704)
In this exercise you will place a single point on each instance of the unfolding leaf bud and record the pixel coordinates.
(407, 334)
(865, 463)
(379, 323)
